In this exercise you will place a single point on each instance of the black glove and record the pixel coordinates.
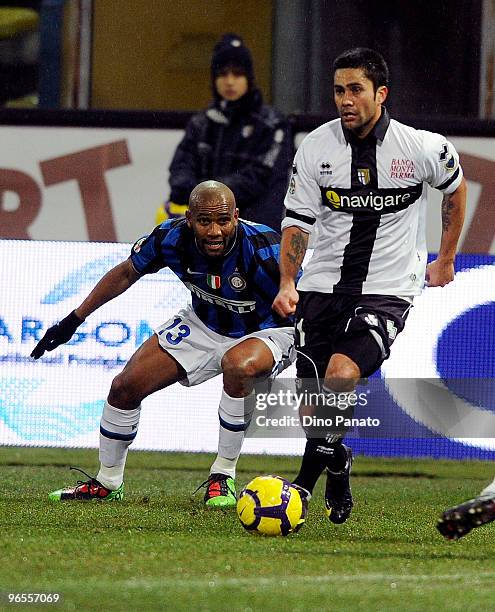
(58, 334)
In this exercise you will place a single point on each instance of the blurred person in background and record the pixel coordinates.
(237, 140)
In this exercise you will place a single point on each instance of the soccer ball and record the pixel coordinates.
(271, 506)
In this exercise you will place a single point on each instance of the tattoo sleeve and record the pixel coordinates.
(447, 208)
(294, 244)
(453, 209)
(297, 249)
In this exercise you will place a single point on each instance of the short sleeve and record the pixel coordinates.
(146, 254)
(441, 163)
(303, 198)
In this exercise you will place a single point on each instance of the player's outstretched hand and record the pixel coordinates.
(285, 301)
(439, 273)
(56, 335)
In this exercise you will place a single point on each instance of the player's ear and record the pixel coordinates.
(381, 94)
(188, 218)
(236, 215)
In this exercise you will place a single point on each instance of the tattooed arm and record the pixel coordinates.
(441, 271)
(292, 251)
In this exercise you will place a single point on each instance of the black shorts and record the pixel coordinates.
(362, 327)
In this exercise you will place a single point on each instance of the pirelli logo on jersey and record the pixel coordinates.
(238, 306)
(370, 200)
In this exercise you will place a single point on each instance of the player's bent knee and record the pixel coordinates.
(244, 368)
(342, 375)
(122, 394)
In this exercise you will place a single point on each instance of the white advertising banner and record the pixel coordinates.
(82, 183)
(105, 185)
(58, 399)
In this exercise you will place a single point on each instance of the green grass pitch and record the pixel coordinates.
(161, 550)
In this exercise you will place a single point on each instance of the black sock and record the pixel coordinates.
(337, 461)
(318, 455)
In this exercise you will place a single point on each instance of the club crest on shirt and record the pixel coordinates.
(364, 175)
(237, 282)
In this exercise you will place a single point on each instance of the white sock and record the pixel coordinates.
(489, 491)
(234, 414)
(224, 466)
(111, 477)
(118, 428)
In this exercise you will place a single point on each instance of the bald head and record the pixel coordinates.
(213, 217)
(211, 193)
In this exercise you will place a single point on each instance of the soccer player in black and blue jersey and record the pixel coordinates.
(231, 270)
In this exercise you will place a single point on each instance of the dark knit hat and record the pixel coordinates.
(231, 51)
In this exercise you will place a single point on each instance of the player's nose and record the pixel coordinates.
(214, 229)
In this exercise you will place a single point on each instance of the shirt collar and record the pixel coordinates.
(378, 132)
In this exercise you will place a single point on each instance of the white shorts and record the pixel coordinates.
(199, 350)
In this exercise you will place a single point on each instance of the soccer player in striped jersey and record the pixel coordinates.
(231, 269)
(458, 521)
(359, 183)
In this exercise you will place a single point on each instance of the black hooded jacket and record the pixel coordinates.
(245, 144)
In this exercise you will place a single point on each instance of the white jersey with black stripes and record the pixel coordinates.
(367, 201)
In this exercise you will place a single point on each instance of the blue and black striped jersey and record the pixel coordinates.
(233, 294)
